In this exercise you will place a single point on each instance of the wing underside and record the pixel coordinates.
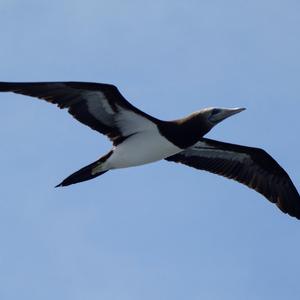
(99, 106)
(252, 167)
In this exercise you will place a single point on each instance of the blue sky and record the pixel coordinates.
(160, 231)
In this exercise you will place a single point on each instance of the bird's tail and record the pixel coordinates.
(86, 173)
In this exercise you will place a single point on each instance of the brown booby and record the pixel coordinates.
(139, 138)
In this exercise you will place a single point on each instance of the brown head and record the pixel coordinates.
(187, 131)
(211, 116)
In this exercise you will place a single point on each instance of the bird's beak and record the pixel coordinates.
(225, 113)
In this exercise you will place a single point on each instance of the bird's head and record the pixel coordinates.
(196, 125)
(215, 115)
(207, 118)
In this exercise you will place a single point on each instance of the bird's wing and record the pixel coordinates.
(251, 166)
(99, 106)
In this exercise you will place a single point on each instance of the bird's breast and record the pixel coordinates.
(141, 148)
(184, 134)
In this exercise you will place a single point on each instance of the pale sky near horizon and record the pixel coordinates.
(159, 231)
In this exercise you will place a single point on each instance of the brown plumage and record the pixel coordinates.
(252, 167)
(103, 108)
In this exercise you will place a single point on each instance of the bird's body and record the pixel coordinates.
(139, 138)
(139, 149)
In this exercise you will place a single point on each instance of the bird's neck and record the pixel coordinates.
(184, 132)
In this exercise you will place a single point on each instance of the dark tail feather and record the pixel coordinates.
(83, 174)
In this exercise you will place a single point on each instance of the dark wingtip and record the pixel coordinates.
(64, 183)
(5, 86)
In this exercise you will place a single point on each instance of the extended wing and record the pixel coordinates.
(99, 106)
(251, 166)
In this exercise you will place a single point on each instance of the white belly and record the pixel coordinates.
(139, 149)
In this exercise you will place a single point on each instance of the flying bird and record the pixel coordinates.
(139, 138)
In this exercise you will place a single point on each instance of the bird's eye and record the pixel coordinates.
(215, 111)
